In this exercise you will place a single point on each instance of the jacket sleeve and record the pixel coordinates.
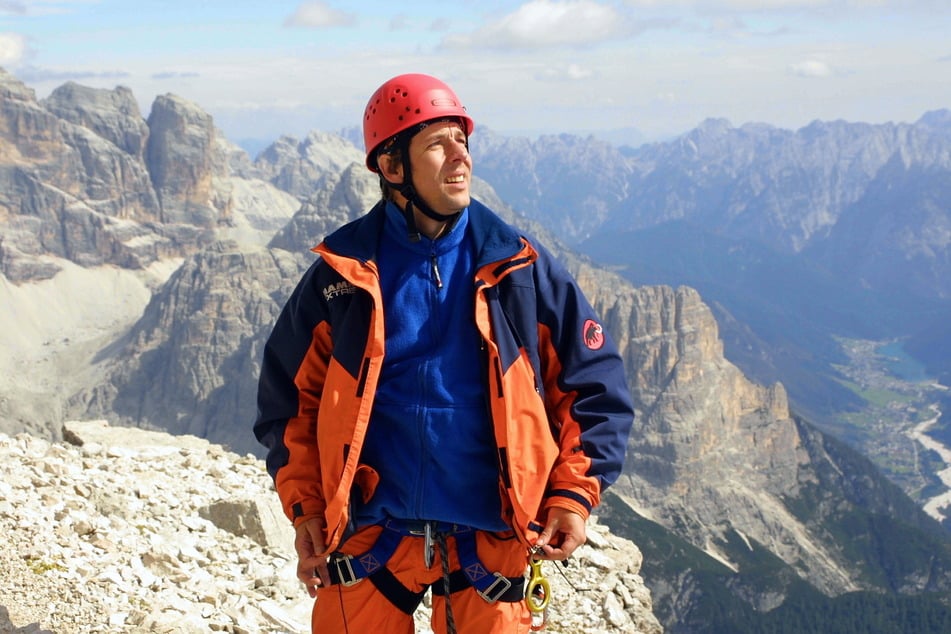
(293, 368)
(586, 392)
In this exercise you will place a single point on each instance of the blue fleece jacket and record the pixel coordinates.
(430, 436)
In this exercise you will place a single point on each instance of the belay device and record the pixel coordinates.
(537, 593)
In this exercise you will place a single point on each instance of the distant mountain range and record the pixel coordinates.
(144, 261)
(796, 239)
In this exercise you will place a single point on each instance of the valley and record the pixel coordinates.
(896, 427)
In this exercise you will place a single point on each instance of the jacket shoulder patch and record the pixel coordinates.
(593, 335)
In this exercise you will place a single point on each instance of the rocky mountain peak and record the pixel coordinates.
(112, 114)
(13, 88)
(299, 167)
(180, 154)
(713, 127)
(157, 533)
(28, 132)
(938, 120)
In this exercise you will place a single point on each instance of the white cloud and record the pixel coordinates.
(542, 23)
(32, 74)
(837, 9)
(571, 72)
(12, 48)
(575, 71)
(399, 22)
(42, 7)
(440, 24)
(12, 7)
(318, 14)
(768, 5)
(811, 68)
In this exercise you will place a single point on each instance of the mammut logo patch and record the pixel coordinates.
(475, 572)
(340, 288)
(593, 335)
(370, 562)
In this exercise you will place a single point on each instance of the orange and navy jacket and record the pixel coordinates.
(555, 384)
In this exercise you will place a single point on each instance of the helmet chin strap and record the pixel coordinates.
(414, 201)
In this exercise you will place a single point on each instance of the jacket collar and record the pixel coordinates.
(494, 239)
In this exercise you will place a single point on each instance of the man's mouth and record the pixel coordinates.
(456, 179)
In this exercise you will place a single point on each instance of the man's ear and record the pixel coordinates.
(390, 168)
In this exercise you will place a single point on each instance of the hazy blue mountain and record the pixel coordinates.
(794, 238)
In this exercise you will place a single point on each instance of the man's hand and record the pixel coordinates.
(564, 531)
(309, 543)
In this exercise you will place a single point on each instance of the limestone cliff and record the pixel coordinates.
(85, 178)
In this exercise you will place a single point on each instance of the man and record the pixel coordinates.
(437, 397)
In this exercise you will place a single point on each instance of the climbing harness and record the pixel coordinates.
(371, 565)
(538, 592)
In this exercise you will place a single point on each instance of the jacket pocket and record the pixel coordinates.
(365, 481)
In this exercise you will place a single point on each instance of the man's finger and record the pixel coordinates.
(313, 573)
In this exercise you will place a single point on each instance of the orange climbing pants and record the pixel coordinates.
(362, 609)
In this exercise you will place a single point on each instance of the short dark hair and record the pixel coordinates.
(395, 150)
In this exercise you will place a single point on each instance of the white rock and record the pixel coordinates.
(135, 531)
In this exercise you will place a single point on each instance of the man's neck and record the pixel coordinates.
(427, 226)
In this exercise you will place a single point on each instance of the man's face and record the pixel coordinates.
(441, 166)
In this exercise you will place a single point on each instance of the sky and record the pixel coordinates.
(263, 69)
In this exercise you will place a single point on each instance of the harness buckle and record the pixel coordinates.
(345, 571)
(496, 589)
(428, 545)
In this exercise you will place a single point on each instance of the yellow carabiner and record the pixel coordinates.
(538, 593)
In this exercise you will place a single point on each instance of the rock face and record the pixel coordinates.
(707, 438)
(190, 364)
(125, 530)
(568, 183)
(86, 179)
(300, 167)
(77, 200)
(112, 114)
(69, 190)
(180, 154)
(193, 358)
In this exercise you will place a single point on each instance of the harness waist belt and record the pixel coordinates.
(350, 569)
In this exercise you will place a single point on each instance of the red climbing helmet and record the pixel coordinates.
(403, 102)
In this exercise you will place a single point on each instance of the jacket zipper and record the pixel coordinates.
(436, 276)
